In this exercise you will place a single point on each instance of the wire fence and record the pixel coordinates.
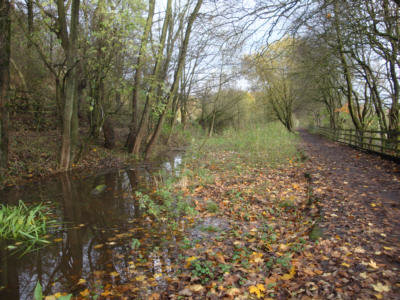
(371, 140)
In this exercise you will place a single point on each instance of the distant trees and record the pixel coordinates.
(347, 55)
(276, 72)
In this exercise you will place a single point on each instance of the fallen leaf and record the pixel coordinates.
(140, 278)
(196, 287)
(233, 292)
(290, 275)
(85, 293)
(379, 287)
(373, 264)
(346, 265)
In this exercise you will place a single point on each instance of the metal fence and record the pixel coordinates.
(370, 140)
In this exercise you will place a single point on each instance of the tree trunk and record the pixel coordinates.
(138, 76)
(29, 4)
(5, 50)
(109, 134)
(68, 43)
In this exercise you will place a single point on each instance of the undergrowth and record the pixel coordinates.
(267, 143)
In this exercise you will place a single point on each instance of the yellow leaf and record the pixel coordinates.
(157, 275)
(189, 260)
(98, 246)
(192, 258)
(52, 297)
(373, 264)
(255, 290)
(196, 287)
(114, 274)
(140, 278)
(379, 287)
(106, 293)
(81, 281)
(373, 204)
(261, 287)
(85, 293)
(387, 248)
(363, 275)
(290, 275)
(378, 296)
(346, 265)
(58, 240)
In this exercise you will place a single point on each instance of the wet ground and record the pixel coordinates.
(95, 245)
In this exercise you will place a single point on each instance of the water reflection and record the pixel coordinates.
(93, 246)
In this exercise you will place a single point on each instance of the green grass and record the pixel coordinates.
(269, 143)
(25, 224)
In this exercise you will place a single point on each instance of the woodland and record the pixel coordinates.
(167, 149)
(126, 73)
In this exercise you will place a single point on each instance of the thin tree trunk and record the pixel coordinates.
(5, 50)
(155, 87)
(29, 4)
(174, 87)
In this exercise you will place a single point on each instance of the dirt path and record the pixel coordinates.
(359, 201)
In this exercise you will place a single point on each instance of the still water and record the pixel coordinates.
(92, 250)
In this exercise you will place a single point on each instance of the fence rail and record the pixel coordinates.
(370, 140)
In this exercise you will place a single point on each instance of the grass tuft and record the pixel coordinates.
(23, 223)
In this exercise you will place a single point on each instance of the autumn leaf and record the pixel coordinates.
(373, 264)
(233, 292)
(196, 288)
(345, 265)
(114, 274)
(379, 287)
(256, 258)
(220, 258)
(85, 293)
(257, 290)
(290, 275)
(140, 278)
(81, 281)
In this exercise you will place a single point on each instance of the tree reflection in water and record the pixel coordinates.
(94, 240)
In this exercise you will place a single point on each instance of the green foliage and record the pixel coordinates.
(135, 243)
(166, 203)
(38, 293)
(203, 269)
(211, 206)
(24, 223)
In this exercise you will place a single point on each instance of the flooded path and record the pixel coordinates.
(105, 237)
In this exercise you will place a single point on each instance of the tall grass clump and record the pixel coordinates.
(24, 224)
(270, 143)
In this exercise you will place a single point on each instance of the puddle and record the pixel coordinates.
(95, 245)
(208, 228)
